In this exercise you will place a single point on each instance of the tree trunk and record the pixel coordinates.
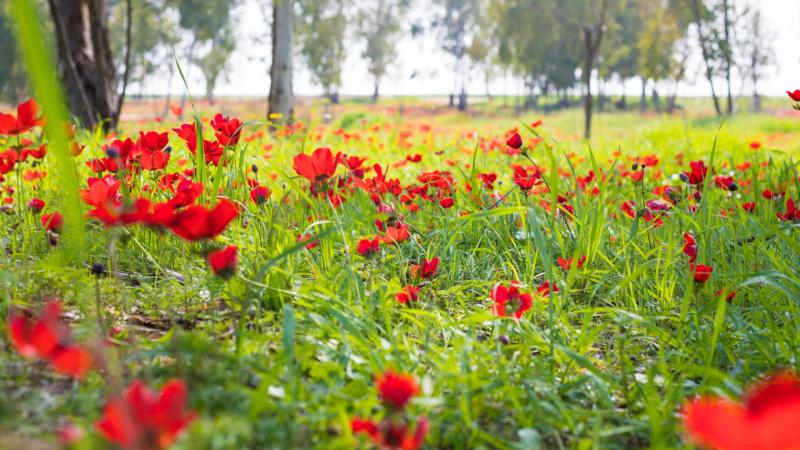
(698, 17)
(728, 55)
(756, 102)
(656, 99)
(462, 99)
(85, 62)
(281, 100)
(643, 98)
(169, 90)
(126, 73)
(592, 39)
(376, 91)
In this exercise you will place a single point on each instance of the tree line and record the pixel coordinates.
(554, 48)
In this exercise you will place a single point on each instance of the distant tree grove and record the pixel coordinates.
(554, 48)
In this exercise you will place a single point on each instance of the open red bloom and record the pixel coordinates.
(259, 194)
(794, 95)
(197, 223)
(25, 120)
(792, 214)
(408, 294)
(227, 130)
(396, 389)
(526, 179)
(690, 247)
(317, 167)
(36, 205)
(565, 264)
(140, 419)
(545, 288)
(515, 141)
(53, 222)
(388, 435)
(152, 140)
(44, 336)
(395, 234)
(701, 272)
(697, 173)
(766, 419)
(224, 262)
(212, 150)
(502, 295)
(367, 247)
(425, 270)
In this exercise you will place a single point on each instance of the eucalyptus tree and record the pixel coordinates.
(456, 22)
(321, 32)
(379, 25)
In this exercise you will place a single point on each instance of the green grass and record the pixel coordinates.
(284, 354)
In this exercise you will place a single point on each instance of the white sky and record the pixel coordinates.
(421, 56)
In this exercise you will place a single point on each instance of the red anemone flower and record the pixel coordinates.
(566, 264)
(227, 130)
(53, 222)
(197, 223)
(701, 272)
(502, 295)
(396, 389)
(408, 294)
(690, 247)
(395, 234)
(388, 435)
(367, 247)
(260, 194)
(44, 336)
(767, 417)
(425, 270)
(140, 419)
(317, 167)
(526, 179)
(545, 288)
(25, 120)
(794, 95)
(224, 262)
(36, 205)
(515, 141)
(792, 214)
(697, 173)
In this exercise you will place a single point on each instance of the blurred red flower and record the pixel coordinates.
(224, 262)
(396, 389)
(140, 419)
(767, 418)
(388, 435)
(36, 205)
(44, 336)
(53, 222)
(690, 247)
(197, 223)
(260, 194)
(794, 95)
(367, 247)
(408, 294)
(425, 270)
(701, 272)
(25, 120)
(792, 214)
